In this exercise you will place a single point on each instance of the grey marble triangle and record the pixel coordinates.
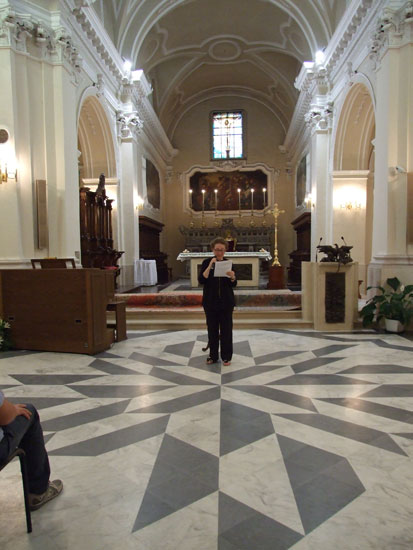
(313, 363)
(241, 374)
(241, 426)
(177, 378)
(53, 379)
(377, 369)
(386, 411)
(184, 349)
(182, 403)
(118, 391)
(151, 360)
(111, 368)
(288, 398)
(177, 480)
(322, 482)
(84, 417)
(274, 356)
(350, 430)
(330, 349)
(116, 439)
(318, 380)
(242, 348)
(243, 528)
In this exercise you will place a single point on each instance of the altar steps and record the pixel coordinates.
(194, 318)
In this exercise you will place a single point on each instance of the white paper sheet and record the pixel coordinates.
(221, 268)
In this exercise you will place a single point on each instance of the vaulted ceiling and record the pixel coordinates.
(194, 50)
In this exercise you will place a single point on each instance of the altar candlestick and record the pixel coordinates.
(190, 198)
(216, 200)
(252, 202)
(239, 202)
(264, 191)
(203, 199)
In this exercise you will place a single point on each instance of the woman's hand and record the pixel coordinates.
(231, 275)
(213, 261)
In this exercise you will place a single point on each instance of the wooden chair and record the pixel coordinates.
(52, 263)
(22, 457)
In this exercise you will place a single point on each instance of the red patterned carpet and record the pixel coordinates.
(177, 300)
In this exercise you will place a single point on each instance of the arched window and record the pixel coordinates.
(227, 135)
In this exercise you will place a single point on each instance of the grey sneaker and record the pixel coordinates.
(53, 490)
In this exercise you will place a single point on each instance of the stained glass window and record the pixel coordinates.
(227, 135)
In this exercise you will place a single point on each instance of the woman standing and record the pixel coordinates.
(218, 302)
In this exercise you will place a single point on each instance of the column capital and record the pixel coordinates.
(394, 29)
(129, 125)
(319, 117)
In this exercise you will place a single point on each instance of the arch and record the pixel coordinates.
(353, 172)
(355, 129)
(95, 140)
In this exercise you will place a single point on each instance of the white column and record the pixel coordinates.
(391, 255)
(321, 217)
(130, 171)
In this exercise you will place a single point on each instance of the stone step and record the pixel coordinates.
(194, 318)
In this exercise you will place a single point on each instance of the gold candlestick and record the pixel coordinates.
(276, 212)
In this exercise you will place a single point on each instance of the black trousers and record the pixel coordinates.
(28, 435)
(219, 321)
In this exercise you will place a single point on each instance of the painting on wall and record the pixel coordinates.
(227, 196)
(301, 182)
(153, 187)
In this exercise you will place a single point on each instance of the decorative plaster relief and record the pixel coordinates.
(393, 29)
(319, 118)
(129, 125)
(224, 50)
(55, 46)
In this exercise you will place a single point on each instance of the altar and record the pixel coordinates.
(245, 264)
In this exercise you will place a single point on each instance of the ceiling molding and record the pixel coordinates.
(206, 95)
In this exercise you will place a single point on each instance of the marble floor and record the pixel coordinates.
(304, 442)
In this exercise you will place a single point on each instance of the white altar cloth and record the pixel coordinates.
(145, 273)
(249, 258)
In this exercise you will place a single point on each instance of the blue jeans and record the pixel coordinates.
(28, 435)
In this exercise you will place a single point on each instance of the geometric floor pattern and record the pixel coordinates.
(304, 442)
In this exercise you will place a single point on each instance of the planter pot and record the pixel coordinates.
(393, 326)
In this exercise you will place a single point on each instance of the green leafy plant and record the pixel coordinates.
(5, 342)
(395, 302)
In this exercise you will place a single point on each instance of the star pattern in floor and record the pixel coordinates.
(305, 441)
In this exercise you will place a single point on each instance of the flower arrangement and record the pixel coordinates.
(395, 304)
(5, 342)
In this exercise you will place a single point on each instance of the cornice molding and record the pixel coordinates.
(316, 81)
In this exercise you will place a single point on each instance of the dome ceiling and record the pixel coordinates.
(194, 50)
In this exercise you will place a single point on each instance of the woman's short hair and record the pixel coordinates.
(218, 240)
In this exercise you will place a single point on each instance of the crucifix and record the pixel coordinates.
(276, 212)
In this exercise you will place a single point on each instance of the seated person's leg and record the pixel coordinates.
(28, 435)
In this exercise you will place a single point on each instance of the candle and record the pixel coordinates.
(264, 203)
(216, 200)
(203, 199)
(252, 201)
(190, 198)
(239, 201)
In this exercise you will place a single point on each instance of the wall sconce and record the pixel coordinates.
(140, 203)
(7, 168)
(350, 205)
(308, 201)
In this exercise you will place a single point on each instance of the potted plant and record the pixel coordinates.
(394, 305)
(5, 342)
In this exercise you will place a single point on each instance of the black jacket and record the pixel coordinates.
(218, 291)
